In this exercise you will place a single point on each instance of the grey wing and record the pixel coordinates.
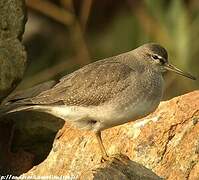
(25, 95)
(22, 98)
(93, 84)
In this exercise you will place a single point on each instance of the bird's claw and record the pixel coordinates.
(112, 157)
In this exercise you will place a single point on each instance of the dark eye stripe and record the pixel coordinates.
(162, 61)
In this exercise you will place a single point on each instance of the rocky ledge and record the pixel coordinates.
(163, 144)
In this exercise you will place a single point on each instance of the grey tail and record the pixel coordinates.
(21, 100)
(10, 108)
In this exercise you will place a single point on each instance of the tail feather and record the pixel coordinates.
(26, 94)
(21, 100)
(6, 109)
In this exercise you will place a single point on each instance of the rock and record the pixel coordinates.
(12, 52)
(25, 140)
(12, 65)
(119, 168)
(167, 142)
(12, 18)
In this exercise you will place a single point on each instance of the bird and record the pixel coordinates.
(105, 93)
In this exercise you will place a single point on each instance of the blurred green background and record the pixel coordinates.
(63, 35)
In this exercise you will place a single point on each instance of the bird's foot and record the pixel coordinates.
(105, 158)
(117, 157)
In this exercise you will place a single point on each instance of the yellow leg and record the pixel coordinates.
(99, 139)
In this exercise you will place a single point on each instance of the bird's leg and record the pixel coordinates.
(102, 148)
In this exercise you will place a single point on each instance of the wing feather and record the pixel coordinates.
(93, 84)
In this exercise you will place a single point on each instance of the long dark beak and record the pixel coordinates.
(171, 67)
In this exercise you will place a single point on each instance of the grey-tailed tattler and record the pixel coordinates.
(106, 93)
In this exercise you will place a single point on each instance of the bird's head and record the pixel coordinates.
(157, 56)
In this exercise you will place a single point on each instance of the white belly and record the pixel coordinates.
(110, 117)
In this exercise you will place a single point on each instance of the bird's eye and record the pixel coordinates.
(155, 56)
(159, 58)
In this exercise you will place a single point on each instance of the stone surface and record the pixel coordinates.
(12, 53)
(12, 65)
(167, 142)
(119, 168)
(12, 18)
(25, 140)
